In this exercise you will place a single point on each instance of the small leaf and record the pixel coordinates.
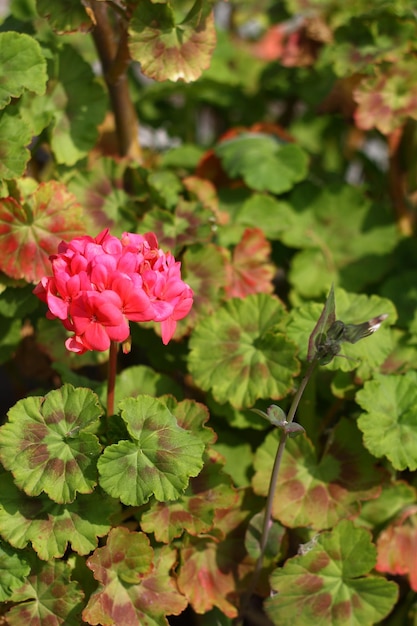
(135, 582)
(32, 229)
(168, 47)
(68, 17)
(159, 461)
(250, 270)
(36, 446)
(239, 353)
(330, 584)
(389, 426)
(22, 66)
(325, 321)
(264, 163)
(274, 415)
(48, 597)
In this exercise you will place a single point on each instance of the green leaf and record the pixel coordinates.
(67, 17)
(79, 103)
(264, 163)
(344, 238)
(48, 596)
(13, 571)
(159, 461)
(366, 355)
(240, 353)
(22, 66)
(47, 446)
(169, 47)
(389, 426)
(15, 136)
(314, 489)
(330, 584)
(263, 210)
(135, 582)
(50, 527)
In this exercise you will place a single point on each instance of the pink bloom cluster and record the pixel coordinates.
(100, 284)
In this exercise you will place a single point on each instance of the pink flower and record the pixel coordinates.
(99, 285)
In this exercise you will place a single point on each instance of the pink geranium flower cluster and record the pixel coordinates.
(101, 284)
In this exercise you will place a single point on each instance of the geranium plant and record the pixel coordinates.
(189, 191)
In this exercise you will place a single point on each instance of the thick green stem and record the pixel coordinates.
(272, 487)
(111, 378)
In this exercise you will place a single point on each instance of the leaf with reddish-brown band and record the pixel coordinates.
(65, 17)
(51, 527)
(136, 588)
(48, 445)
(329, 583)
(318, 491)
(193, 512)
(169, 46)
(31, 230)
(48, 597)
(250, 270)
(397, 547)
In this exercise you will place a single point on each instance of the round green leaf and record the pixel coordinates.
(47, 446)
(389, 425)
(239, 353)
(160, 460)
(329, 583)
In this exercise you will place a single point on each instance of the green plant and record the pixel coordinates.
(130, 506)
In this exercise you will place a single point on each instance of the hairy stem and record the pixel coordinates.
(272, 486)
(111, 45)
(111, 377)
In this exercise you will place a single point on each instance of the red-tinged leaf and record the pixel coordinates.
(250, 270)
(65, 17)
(207, 577)
(194, 512)
(30, 230)
(169, 47)
(397, 547)
(136, 586)
(328, 583)
(48, 597)
(318, 491)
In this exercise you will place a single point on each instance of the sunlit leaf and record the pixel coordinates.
(397, 547)
(32, 229)
(314, 490)
(135, 583)
(50, 527)
(330, 584)
(169, 46)
(389, 426)
(240, 353)
(250, 270)
(47, 446)
(264, 163)
(159, 461)
(22, 66)
(48, 596)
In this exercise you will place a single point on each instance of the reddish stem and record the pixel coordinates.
(111, 377)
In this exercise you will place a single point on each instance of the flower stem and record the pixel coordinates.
(111, 377)
(272, 488)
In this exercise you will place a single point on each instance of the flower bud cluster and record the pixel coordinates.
(101, 284)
